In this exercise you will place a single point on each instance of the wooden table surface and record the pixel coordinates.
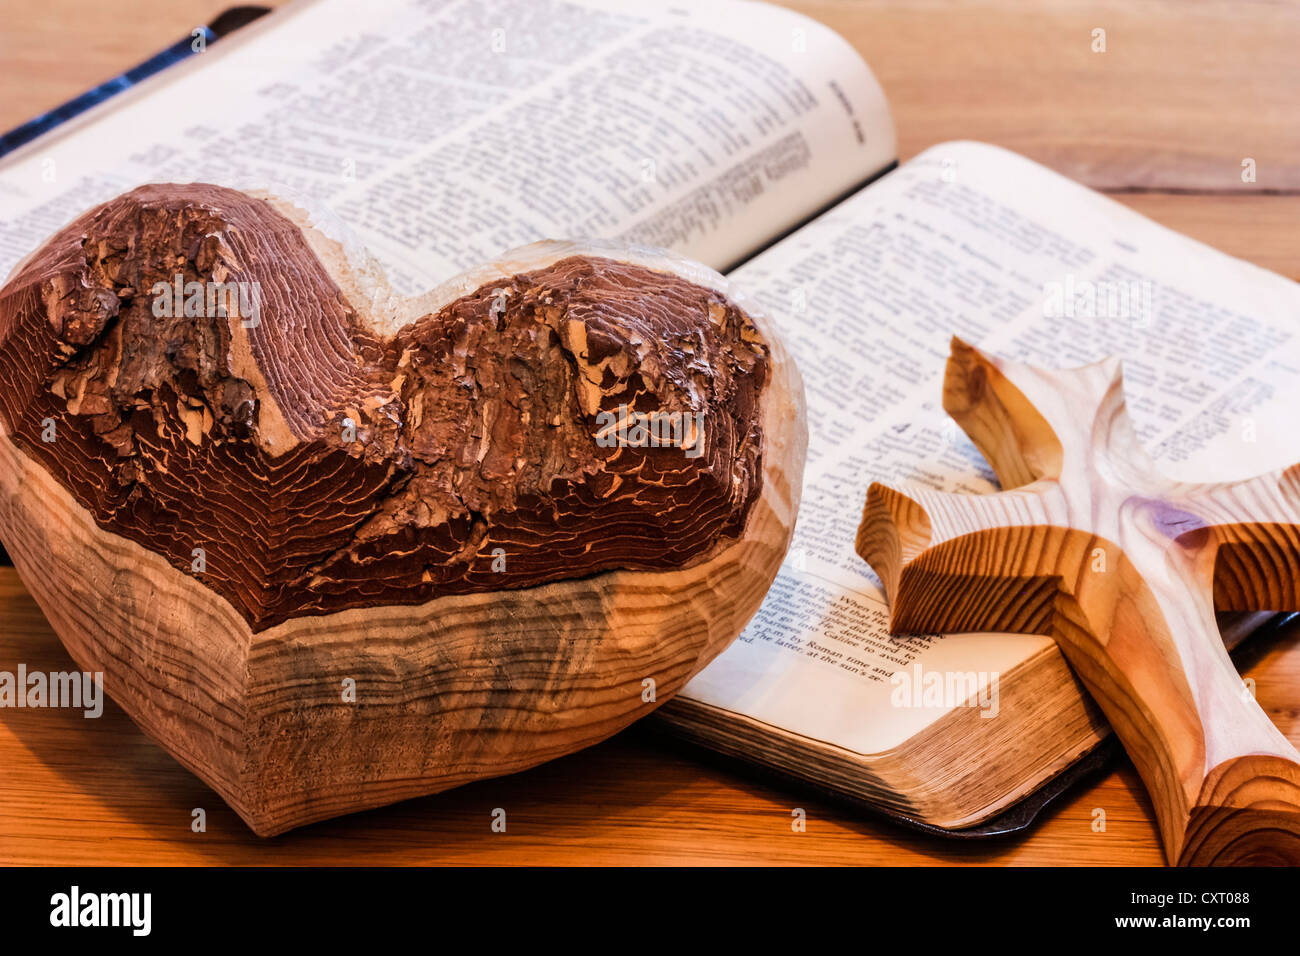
(1184, 92)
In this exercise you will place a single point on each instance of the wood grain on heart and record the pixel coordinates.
(1089, 544)
(334, 548)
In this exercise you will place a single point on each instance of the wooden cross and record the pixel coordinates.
(1089, 544)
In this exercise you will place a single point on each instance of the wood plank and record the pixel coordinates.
(1182, 94)
(81, 791)
(53, 51)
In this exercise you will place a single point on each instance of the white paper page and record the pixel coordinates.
(972, 240)
(444, 132)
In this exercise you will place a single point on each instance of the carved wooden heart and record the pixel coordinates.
(332, 548)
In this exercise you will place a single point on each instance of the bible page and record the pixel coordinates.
(972, 240)
(443, 132)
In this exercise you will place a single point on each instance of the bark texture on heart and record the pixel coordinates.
(241, 473)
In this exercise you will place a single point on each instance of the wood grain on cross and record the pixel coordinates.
(1090, 544)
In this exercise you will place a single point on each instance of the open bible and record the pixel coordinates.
(440, 133)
